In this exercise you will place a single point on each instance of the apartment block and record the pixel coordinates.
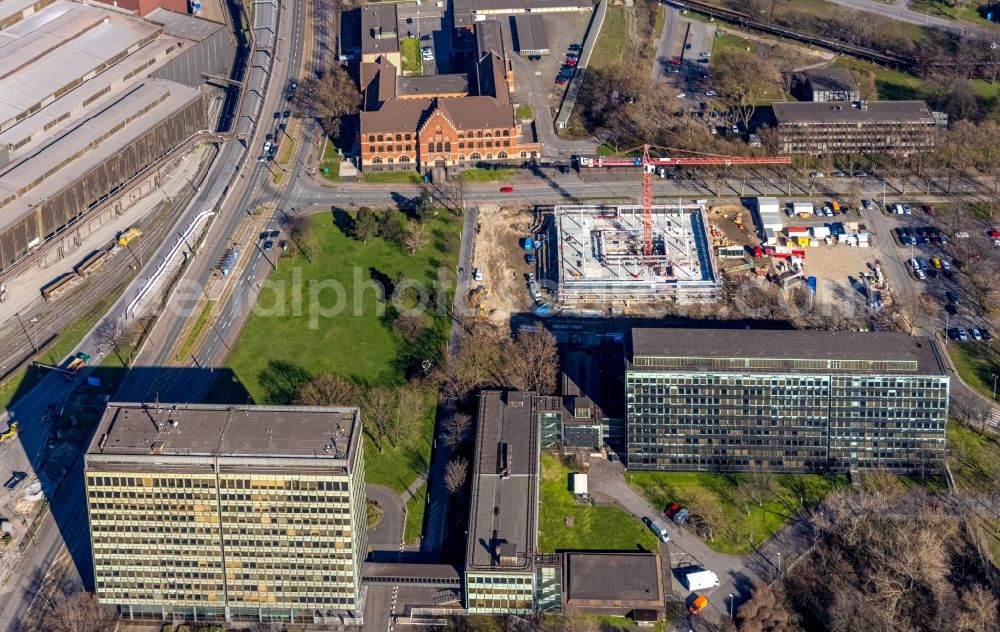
(877, 127)
(784, 401)
(228, 513)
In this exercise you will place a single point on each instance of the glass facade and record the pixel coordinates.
(794, 422)
(236, 543)
(499, 592)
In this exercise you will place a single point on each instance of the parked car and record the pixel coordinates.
(671, 509)
(817, 174)
(953, 333)
(962, 335)
(976, 334)
(704, 55)
(866, 204)
(952, 297)
(534, 58)
(570, 62)
(477, 274)
(507, 189)
(682, 515)
(929, 209)
(657, 528)
(710, 93)
(860, 174)
(15, 480)
(920, 274)
(987, 336)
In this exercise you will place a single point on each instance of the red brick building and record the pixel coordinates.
(419, 123)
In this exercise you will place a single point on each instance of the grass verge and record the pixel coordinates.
(392, 177)
(610, 47)
(738, 523)
(974, 458)
(409, 50)
(415, 515)
(195, 333)
(977, 364)
(487, 175)
(524, 112)
(593, 527)
(329, 167)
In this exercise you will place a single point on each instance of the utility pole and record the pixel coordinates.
(26, 334)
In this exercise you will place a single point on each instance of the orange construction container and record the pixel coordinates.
(700, 603)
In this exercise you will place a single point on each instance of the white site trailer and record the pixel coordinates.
(769, 215)
(701, 580)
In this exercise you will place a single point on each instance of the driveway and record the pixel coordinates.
(606, 480)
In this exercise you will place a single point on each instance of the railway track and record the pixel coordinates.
(44, 320)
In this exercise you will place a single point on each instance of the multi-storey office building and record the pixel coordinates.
(876, 127)
(792, 401)
(228, 513)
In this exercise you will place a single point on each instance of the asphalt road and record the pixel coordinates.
(899, 11)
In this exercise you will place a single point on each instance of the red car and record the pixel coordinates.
(570, 62)
(929, 210)
(671, 509)
(560, 82)
(506, 189)
(676, 61)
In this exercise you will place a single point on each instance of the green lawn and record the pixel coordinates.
(524, 112)
(487, 175)
(409, 50)
(392, 177)
(415, 515)
(939, 9)
(977, 363)
(728, 42)
(721, 499)
(610, 47)
(892, 85)
(285, 341)
(974, 458)
(330, 165)
(593, 527)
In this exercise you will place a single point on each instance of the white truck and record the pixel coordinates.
(701, 580)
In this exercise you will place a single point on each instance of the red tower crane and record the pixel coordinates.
(649, 165)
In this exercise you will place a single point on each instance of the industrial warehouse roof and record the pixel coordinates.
(59, 47)
(529, 34)
(841, 112)
(143, 106)
(618, 579)
(189, 27)
(503, 515)
(773, 350)
(199, 429)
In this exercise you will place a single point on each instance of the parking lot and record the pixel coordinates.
(561, 30)
(426, 23)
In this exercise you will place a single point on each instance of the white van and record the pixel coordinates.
(701, 580)
(657, 528)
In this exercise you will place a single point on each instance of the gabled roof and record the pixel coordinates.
(491, 77)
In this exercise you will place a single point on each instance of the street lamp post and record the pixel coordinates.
(994, 386)
(731, 601)
(779, 563)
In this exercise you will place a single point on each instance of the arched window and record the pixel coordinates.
(479, 134)
(389, 160)
(461, 156)
(489, 134)
(461, 135)
(489, 156)
(380, 138)
(371, 149)
(447, 146)
(407, 137)
(404, 159)
(475, 156)
(506, 132)
(489, 143)
(440, 147)
(430, 147)
(524, 154)
(371, 138)
(376, 160)
(502, 155)
(534, 154)
(479, 144)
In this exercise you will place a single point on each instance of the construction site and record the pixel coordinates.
(602, 256)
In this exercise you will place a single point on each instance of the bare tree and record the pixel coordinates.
(415, 237)
(79, 612)
(531, 362)
(457, 429)
(455, 474)
(978, 611)
(324, 389)
(328, 97)
(115, 334)
(743, 79)
(378, 406)
(767, 611)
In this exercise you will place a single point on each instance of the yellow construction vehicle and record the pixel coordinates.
(9, 434)
(477, 298)
(126, 236)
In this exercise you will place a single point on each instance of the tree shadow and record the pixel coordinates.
(343, 221)
(282, 381)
